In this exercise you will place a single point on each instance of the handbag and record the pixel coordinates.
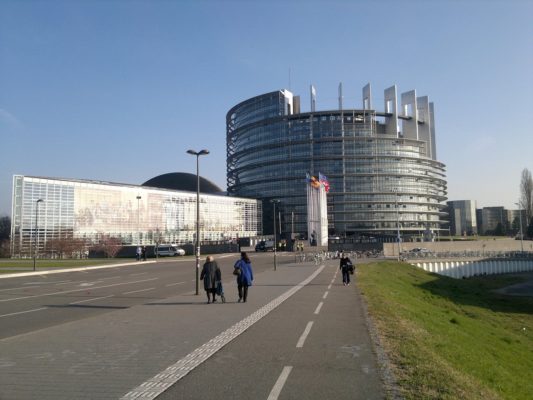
(237, 268)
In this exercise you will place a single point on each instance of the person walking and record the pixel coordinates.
(210, 275)
(346, 268)
(245, 276)
(143, 253)
(138, 253)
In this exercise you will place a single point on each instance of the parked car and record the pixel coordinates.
(264, 245)
(420, 250)
(166, 250)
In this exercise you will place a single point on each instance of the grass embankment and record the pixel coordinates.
(8, 266)
(448, 338)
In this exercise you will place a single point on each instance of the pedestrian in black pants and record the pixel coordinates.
(245, 276)
(346, 268)
(210, 275)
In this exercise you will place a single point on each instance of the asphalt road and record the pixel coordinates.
(40, 301)
(140, 332)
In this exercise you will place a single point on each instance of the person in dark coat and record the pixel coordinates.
(210, 275)
(245, 276)
(346, 268)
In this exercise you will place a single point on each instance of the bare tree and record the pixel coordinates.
(108, 245)
(526, 194)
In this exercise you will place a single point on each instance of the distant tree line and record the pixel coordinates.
(5, 230)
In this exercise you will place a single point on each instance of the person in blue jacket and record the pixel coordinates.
(245, 276)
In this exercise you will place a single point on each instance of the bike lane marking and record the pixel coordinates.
(307, 329)
(276, 390)
(153, 387)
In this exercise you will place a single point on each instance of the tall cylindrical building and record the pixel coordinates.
(381, 166)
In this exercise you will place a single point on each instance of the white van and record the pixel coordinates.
(164, 250)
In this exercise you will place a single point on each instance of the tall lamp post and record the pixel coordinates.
(198, 154)
(521, 234)
(274, 202)
(138, 220)
(36, 238)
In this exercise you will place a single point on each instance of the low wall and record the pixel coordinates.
(466, 269)
(489, 245)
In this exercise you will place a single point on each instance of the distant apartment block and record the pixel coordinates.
(463, 219)
(491, 217)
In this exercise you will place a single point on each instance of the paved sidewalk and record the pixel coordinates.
(109, 356)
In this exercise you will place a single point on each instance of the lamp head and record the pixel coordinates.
(192, 152)
(203, 152)
(40, 201)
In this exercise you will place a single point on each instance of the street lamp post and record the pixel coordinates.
(274, 201)
(521, 234)
(198, 154)
(36, 236)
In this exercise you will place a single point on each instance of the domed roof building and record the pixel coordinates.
(182, 181)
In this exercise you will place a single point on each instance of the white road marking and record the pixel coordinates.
(137, 291)
(86, 301)
(77, 290)
(276, 390)
(301, 341)
(156, 385)
(325, 295)
(329, 286)
(174, 284)
(17, 288)
(319, 307)
(23, 312)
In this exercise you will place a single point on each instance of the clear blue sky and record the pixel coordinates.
(119, 90)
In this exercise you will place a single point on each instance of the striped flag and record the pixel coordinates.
(323, 179)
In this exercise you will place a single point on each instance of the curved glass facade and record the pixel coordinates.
(90, 210)
(377, 180)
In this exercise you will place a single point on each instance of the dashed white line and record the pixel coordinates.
(86, 301)
(18, 288)
(77, 290)
(174, 284)
(325, 295)
(23, 312)
(137, 291)
(319, 307)
(301, 341)
(329, 286)
(276, 390)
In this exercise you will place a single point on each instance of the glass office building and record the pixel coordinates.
(381, 165)
(45, 209)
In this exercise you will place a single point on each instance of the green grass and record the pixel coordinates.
(448, 338)
(26, 265)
